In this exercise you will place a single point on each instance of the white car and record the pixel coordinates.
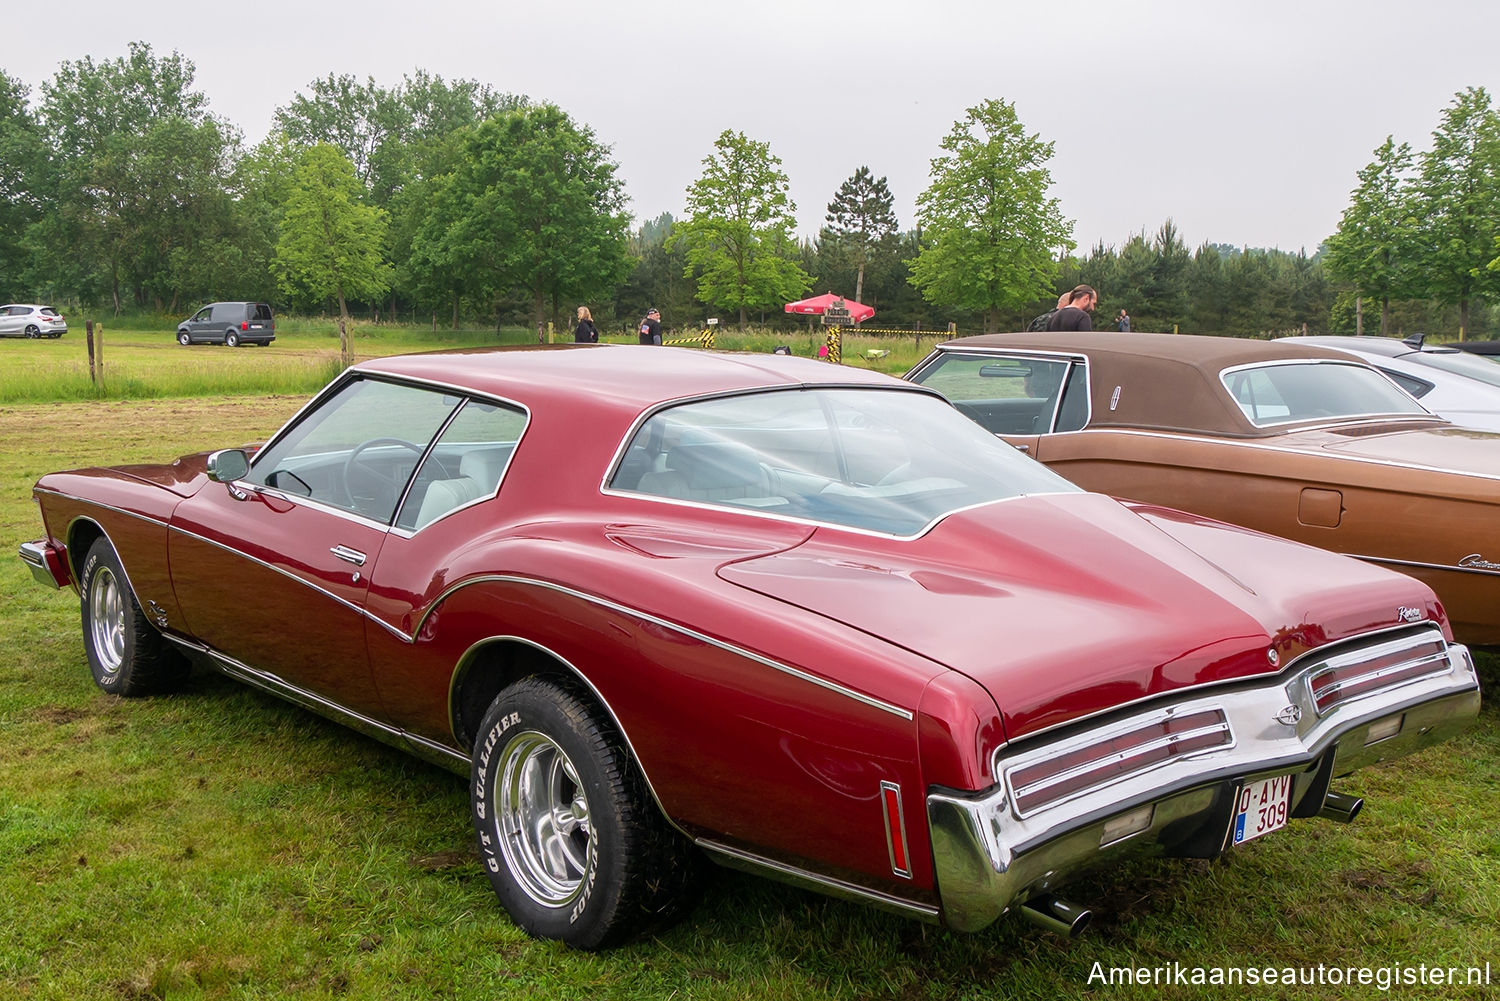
(1457, 385)
(21, 320)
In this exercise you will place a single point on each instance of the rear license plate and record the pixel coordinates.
(1262, 808)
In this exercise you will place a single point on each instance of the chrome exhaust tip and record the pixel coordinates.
(1057, 915)
(1337, 806)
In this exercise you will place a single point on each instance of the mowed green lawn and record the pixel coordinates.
(218, 843)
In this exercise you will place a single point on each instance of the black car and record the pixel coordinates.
(229, 323)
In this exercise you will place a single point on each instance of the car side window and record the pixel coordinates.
(358, 450)
(203, 314)
(1416, 387)
(1014, 395)
(466, 465)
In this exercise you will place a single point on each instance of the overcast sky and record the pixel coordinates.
(1243, 122)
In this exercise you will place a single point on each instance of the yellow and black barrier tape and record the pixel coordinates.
(705, 339)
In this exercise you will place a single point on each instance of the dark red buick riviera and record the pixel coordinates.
(664, 604)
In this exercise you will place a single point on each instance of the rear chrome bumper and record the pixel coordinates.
(990, 854)
(47, 564)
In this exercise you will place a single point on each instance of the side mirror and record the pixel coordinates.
(228, 465)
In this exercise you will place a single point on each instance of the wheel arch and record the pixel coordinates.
(82, 533)
(495, 663)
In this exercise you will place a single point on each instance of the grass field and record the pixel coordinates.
(150, 364)
(221, 844)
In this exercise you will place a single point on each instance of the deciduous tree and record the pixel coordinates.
(991, 235)
(534, 206)
(738, 233)
(331, 244)
(1457, 204)
(1373, 249)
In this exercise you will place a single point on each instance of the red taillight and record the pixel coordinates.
(1109, 759)
(244, 324)
(1334, 686)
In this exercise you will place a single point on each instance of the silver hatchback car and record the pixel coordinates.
(22, 320)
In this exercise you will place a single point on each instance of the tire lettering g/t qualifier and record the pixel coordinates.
(574, 847)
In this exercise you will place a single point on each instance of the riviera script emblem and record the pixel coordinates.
(1404, 614)
(1476, 562)
(1290, 716)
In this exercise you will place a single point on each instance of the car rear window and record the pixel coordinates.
(1286, 393)
(47, 311)
(262, 312)
(877, 460)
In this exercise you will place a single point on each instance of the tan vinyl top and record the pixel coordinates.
(1165, 382)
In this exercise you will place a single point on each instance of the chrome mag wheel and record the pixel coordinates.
(107, 620)
(544, 820)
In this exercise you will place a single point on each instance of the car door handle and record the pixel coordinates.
(349, 555)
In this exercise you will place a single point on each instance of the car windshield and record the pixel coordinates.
(1286, 392)
(883, 461)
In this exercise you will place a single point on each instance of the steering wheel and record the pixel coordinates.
(386, 488)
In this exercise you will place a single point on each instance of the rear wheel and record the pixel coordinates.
(183, 338)
(574, 846)
(126, 655)
(33, 331)
(231, 339)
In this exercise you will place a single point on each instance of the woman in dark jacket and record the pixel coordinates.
(585, 332)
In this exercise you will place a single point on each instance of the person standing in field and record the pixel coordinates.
(585, 332)
(1122, 321)
(1075, 315)
(651, 327)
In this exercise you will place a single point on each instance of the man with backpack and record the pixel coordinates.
(651, 328)
(1075, 315)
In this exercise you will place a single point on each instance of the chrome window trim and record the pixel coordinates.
(636, 613)
(408, 533)
(1224, 373)
(355, 373)
(635, 426)
(787, 519)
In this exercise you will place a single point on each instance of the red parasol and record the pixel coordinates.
(819, 304)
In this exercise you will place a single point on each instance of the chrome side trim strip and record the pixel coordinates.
(428, 750)
(1448, 567)
(107, 507)
(857, 696)
(736, 858)
(1241, 443)
(300, 580)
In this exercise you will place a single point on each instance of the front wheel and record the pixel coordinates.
(231, 339)
(184, 338)
(574, 846)
(126, 655)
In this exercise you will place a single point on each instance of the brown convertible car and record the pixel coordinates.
(1297, 441)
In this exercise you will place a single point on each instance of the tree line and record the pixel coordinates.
(451, 201)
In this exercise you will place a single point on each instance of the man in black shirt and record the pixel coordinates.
(1075, 315)
(651, 328)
